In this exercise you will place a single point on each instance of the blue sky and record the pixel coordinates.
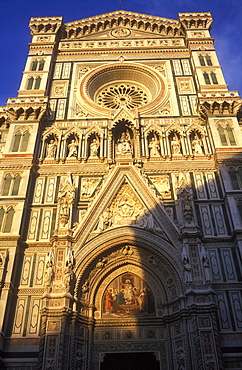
(15, 35)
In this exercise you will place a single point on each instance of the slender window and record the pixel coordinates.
(30, 83)
(24, 141)
(16, 142)
(9, 220)
(206, 78)
(201, 60)
(234, 180)
(214, 78)
(21, 142)
(239, 206)
(37, 83)
(6, 185)
(222, 136)
(34, 65)
(231, 135)
(1, 217)
(41, 65)
(16, 184)
(208, 60)
(226, 135)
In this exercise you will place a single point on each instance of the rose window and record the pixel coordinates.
(118, 95)
(131, 86)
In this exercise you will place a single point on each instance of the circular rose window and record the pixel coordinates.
(132, 86)
(129, 95)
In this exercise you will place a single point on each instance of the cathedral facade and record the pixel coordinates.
(120, 207)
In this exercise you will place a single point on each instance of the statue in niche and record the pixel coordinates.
(51, 149)
(187, 207)
(49, 270)
(175, 145)
(65, 200)
(72, 148)
(197, 145)
(205, 262)
(186, 265)
(180, 357)
(124, 144)
(68, 275)
(94, 146)
(68, 271)
(154, 147)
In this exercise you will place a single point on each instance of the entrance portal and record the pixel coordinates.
(130, 361)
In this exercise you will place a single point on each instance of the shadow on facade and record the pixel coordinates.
(143, 286)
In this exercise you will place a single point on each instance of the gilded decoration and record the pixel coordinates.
(127, 296)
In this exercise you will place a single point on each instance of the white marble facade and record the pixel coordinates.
(120, 207)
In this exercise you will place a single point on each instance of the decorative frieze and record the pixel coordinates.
(122, 44)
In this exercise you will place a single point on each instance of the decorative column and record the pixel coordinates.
(59, 280)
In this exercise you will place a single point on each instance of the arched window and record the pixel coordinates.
(6, 220)
(24, 141)
(208, 60)
(34, 65)
(16, 184)
(226, 135)
(37, 65)
(37, 83)
(201, 60)
(41, 65)
(33, 83)
(6, 185)
(11, 185)
(231, 135)
(1, 217)
(239, 206)
(30, 83)
(20, 142)
(206, 78)
(214, 78)
(236, 178)
(16, 143)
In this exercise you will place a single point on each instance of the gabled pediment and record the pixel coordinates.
(121, 23)
(125, 200)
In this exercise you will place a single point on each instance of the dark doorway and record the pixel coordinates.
(130, 361)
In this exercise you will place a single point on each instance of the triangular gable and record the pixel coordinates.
(123, 22)
(122, 14)
(125, 200)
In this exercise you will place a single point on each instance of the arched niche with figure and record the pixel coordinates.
(123, 140)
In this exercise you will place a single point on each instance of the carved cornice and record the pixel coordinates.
(45, 25)
(121, 18)
(217, 103)
(23, 109)
(195, 20)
